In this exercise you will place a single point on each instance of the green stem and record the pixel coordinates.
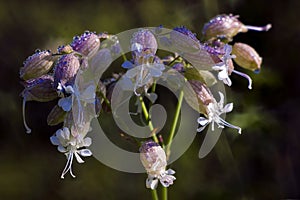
(175, 121)
(164, 193)
(105, 99)
(154, 195)
(146, 114)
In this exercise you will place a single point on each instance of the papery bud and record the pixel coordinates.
(143, 41)
(204, 95)
(38, 64)
(227, 26)
(40, 89)
(153, 157)
(87, 44)
(56, 116)
(246, 57)
(66, 69)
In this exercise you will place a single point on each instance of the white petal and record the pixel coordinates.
(151, 183)
(228, 107)
(85, 152)
(69, 89)
(201, 129)
(66, 133)
(61, 149)
(170, 172)
(65, 103)
(54, 140)
(87, 141)
(202, 121)
(167, 180)
(223, 74)
(79, 160)
(221, 102)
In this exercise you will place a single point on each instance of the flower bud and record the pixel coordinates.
(87, 44)
(246, 57)
(204, 95)
(38, 89)
(227, 26)
(153, 157)
(143, 41)
(66, 69)
(36, 65)
(56, 116)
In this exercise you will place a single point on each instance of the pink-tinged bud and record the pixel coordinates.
(39, 89)
(153, 158)
(227, 26)
(66, 69)
(87, 44)
(143, 42)
(56, 116)
(36, 65)
(246, 57)
(203, 94)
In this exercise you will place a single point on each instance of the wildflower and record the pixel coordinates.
(71, 145)
(36, 65)
(225, 67)
(143, 75)
(214, 110)
(153, 158)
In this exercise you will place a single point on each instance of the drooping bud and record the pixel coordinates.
(203, 94)
(36, 65)
(227, 26)
(39, 89)
(246, 57)
(56, 116)
(87, 44)
(153, 158)
(143, 42)
(66, 69)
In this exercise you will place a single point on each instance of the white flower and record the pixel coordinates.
(154, 160)
(223, 66)
(143, 74)
(214, 110)
(70, 145)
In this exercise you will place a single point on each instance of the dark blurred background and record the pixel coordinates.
(262, 163)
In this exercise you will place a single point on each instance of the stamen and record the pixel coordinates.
(230, 125)
(259, 28)
(68, 166)
(245, 76)
(28, 130)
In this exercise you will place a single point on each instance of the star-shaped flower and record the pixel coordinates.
(70, 145)
(214, 110)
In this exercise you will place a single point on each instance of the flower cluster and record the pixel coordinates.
(56, 76)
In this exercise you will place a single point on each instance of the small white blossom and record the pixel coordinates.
(214, 110)
(70, 145)
(154, 160)
(222, 67)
